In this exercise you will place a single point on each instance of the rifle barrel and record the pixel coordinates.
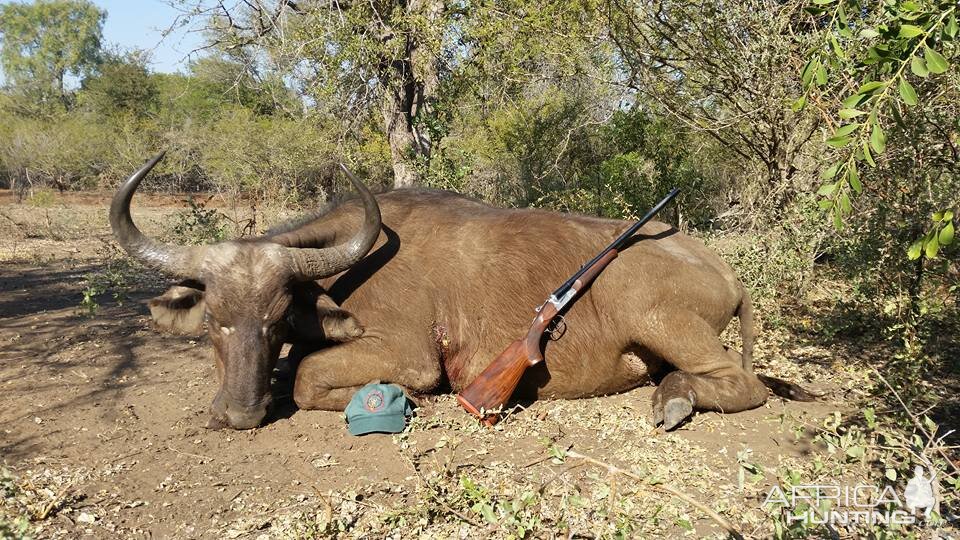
(618, 243)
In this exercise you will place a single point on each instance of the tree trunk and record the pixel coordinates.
(403, 147)
(410, 86)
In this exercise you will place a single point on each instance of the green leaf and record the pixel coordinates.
(907, 93)
(843, 131)
(891, 475)
(878, 141)
(808, 71)
(946, 234)
(837, 218)
(854, 177)
(487, 511)
(845, 205)
(910, 6)
(799, 104)
(919, 67)
(874, 55)
(837, 49)
(867, 157)
(951, 27)
(936, 63)
(838, 142)
(821, 75)
(825, 204)
(870, 87)
(914, 252)
(931, 248)
(910, 31)
(854, 100)
(856, 452)
(948, 215)
(831, 171)
(847, 114)
(827, 190)
(869, 33)
(937, 217)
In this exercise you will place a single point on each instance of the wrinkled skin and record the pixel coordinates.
(447, 285)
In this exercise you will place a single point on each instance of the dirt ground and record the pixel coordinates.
(101, 431)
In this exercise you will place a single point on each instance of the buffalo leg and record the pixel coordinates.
(327, 379)
(708, 376)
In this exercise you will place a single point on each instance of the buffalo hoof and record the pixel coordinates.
(675, 411)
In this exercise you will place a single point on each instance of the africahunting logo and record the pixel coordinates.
(859, 504)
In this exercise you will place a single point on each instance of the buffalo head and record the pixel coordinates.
(246, 292)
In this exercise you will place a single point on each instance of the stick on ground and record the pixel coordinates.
(663, 488)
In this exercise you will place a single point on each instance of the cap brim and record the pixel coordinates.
(377, 424)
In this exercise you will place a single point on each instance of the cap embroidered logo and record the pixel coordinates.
(374, 401)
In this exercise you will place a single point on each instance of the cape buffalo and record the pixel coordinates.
(429, 295)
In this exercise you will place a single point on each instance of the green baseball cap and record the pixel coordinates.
(378, 408)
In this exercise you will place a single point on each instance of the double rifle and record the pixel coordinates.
(487, 394)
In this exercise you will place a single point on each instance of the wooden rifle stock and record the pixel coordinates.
(493, 387)
(490, 391)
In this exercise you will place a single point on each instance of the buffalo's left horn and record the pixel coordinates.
(179, 261)
(315, 263)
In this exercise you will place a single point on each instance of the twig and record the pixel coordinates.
(916, 421)
(663, 488)
(447, 507)
(436, 496)
(125, 456)
(54, 502)
(188, 454)
(560, 473)
(328, 508)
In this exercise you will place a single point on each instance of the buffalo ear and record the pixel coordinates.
(338, 324)
(316, 317)
(179, 310)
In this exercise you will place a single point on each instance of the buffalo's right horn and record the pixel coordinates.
(179, 261)
(316, 263)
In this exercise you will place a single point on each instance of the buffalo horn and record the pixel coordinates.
(315, 263)
(179, 261)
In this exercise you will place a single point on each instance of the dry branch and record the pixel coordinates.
(663, 488)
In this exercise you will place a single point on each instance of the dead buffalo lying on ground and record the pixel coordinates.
(430, 295)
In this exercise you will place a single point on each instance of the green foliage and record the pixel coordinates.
(675, 67)
(887, 53)
(198, 225)
(46, 41)
(940, 234)
(121, 84)
(117, 276)
(43, 198)
(68, 152)
(884, 76)
(14, 519)
(14, 524)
